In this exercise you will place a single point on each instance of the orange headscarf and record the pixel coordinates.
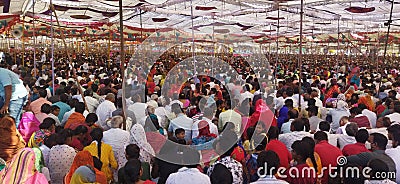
(83, 158)
(11, 140)
(367, 101)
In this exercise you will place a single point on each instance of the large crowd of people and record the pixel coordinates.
(256, 122)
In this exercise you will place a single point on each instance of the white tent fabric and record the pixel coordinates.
(254, 17)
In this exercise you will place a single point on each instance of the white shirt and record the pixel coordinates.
(371, 117)
(394, 153)
(345, 140)
(116, 138)
(104, 112)
(162, 113)
(286, 126)
(139, 109)
(182, 121)
(245, 95)
(270, 180)
(289, 138)
(279, 103)
(394, 117)
(188, 175)
(91, 103)
(333, 138)
(230, 116)
(45, 152)
(58, 123)
(178, 102)
(195, 127)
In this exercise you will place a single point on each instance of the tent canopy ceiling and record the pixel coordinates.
(249, 17)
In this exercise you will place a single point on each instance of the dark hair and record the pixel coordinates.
(313, 110)
(261, 142)
(42, 93)
(97, 135)
(386, 122)
(80, 107)
(54, 107)
(221, 175)
(227, 142)
(47, 123)
(228, 126)
(320, 136)
(50, 140)
(380, 140)
(378, 166)
(72, 102)
(81, 129)
(397, 106)
(132, 151)
(132, 170)
(91, 117)
(293, 114)
(355, 110)
(298, 125)
(273, 133)
(45, 108)
(289, 103)
(176, 108)
(394, 129)
(306, 124)
(250, 132)
(324, 126)
(179, 130)
(88, 92)
(310, 150)
(362, 136)
(64, 98)
(62, 136)
(362, 106)
(269, 159)
(119, 102)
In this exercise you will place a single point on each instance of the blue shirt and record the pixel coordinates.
(7, 78)
(63, 109)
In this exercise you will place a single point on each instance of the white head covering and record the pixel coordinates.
(341, 104)
(138, 137)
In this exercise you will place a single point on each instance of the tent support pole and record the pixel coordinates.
(277, 53)
(34, 39)
(386, 43)
(52, 48)
(300, 51)
(122, 42)
(69, 56)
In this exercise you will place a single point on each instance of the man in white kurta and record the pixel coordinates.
(105, 109)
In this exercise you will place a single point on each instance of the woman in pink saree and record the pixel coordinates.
(28, 125)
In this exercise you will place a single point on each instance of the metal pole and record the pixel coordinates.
(338, 47)
(277, 53)
(23, 43)
(121, 32)
(69, 56)
(52, 48)
(34, 40)
(386, 41)
(300, 50)
(193, 55)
